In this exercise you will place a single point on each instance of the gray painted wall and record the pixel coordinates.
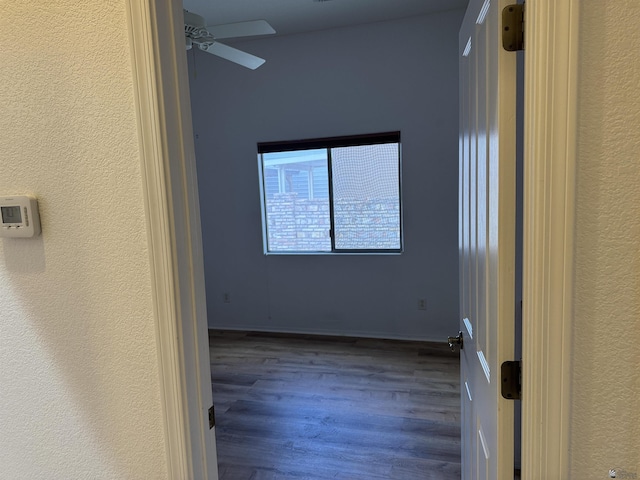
(397, 75)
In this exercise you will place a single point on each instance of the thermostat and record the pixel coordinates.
(20, 217)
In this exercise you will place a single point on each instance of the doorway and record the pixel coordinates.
(321, 84)
(557, 208)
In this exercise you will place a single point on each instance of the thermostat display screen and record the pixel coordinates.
(20, 216)
(11, 214)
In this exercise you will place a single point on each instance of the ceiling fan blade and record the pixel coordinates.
(233, 54)
(241, 29)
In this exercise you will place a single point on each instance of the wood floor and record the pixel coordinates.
(309, 407)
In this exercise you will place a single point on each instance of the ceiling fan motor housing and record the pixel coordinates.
(195, 28)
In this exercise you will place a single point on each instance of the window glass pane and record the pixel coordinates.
(366, 197)
(297, 201)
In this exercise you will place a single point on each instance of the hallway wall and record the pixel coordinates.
(79, 380)
(605, 426)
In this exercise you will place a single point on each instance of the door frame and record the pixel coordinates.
(161, 95)
(550, 130)
(549, 204)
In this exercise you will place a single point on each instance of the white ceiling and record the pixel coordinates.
(297, 16)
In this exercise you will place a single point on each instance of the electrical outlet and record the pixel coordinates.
(226, 297)
(422, 304)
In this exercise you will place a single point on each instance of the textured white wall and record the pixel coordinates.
(397, 75)
(79, 386)
(606, 380)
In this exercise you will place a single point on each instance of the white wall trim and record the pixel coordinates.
(235, 327)
(148, 101)
(168, 171)
(551, 43)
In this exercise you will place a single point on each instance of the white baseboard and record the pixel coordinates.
(328, 332)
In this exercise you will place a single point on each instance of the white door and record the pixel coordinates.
(487, 203)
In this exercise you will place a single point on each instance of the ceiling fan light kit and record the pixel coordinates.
(206, 38)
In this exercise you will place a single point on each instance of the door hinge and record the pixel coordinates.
(511, 375)
(212, 417)
(513, 27)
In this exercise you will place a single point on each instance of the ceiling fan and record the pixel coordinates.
(206, 38)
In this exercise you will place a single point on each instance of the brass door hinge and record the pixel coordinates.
(513, 27)
(511, 373)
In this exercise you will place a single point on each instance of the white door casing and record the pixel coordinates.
(550, 163)
(487, 216)
(175, 246)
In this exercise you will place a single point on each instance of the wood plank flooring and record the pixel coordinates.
(313, 407)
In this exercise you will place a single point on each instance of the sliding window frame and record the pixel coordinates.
(330, 143)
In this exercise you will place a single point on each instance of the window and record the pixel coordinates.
(332, 195)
